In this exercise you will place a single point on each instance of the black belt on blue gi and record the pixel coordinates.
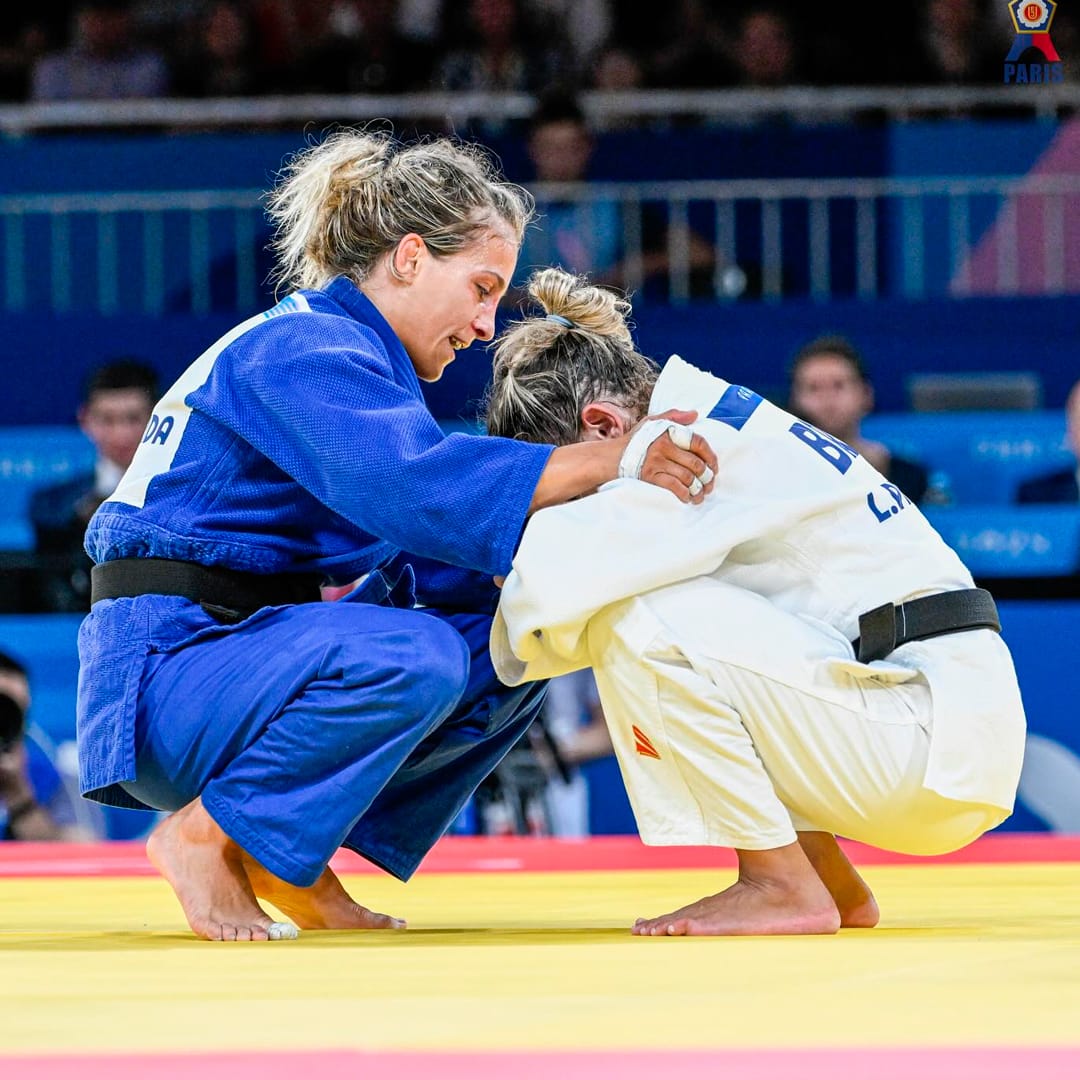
(888, 627)
(227, 595)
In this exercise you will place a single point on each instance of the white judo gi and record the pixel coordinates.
(720, 636)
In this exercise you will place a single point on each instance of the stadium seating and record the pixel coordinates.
(1012, 541)
(32, 457)
(979, 457)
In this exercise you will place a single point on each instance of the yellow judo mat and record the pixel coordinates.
(968, 955)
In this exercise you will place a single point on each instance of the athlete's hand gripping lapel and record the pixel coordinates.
(662, 450)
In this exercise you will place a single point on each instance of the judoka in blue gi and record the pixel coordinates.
(297, 452)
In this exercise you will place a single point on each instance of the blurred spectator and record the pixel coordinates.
(540, 787)
(494, 48)
(356, 47)
(831, 389)
(22, 44)
(617, 68)
(420, 20)
(35, 801)
(103, 59)
(1062, 486)
(582, 28)
(953, 43)
(692, 52)
(764, 50)
(579, 236)
(586, 236)
(118, 401)
(221, 58)
(573, 731)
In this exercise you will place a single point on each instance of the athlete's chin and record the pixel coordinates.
(432, 371)
(433, 376)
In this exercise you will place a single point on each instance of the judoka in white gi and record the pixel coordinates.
(298, 451)
(721, 634)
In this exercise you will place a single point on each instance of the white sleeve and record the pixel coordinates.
(627, 538)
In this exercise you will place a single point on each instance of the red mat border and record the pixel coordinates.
(469, 854)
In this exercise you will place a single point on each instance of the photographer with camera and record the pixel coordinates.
(35, 804)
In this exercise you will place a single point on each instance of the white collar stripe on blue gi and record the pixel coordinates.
(162, 437)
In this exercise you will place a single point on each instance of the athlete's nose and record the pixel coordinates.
(484, 324)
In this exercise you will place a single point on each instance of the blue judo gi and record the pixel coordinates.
(300, 443)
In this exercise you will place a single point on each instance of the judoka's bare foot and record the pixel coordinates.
(205, 869)
(322, 906)
(850, 893)
(777, 892)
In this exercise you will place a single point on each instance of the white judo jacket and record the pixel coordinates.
(796, 517)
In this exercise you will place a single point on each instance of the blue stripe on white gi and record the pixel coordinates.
(735, 407)
(162, 437)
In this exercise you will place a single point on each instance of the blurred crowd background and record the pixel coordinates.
(848, 208)
(108, 49)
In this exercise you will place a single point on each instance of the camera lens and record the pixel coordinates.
(11, 722)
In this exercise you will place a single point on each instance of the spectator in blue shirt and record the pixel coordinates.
(117, 402)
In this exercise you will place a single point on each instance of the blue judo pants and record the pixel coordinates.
(326, 725)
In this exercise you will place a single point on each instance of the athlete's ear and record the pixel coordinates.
(603, 420)
(407, 256)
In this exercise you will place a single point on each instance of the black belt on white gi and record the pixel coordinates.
(888, 627)
(228, 595)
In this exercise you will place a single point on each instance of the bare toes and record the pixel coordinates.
(385, 922)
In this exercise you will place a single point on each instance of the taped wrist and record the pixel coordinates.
(634, 455)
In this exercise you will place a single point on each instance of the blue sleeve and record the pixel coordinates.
(318, 397)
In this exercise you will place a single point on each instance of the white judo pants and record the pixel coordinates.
(734, 726)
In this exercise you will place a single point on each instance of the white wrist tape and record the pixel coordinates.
(638, 446)
(634, 454)
(681, 436)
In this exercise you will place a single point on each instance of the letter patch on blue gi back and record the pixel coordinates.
(735, 407)
(162, 437)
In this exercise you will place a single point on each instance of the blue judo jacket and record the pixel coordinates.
(298, 442)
